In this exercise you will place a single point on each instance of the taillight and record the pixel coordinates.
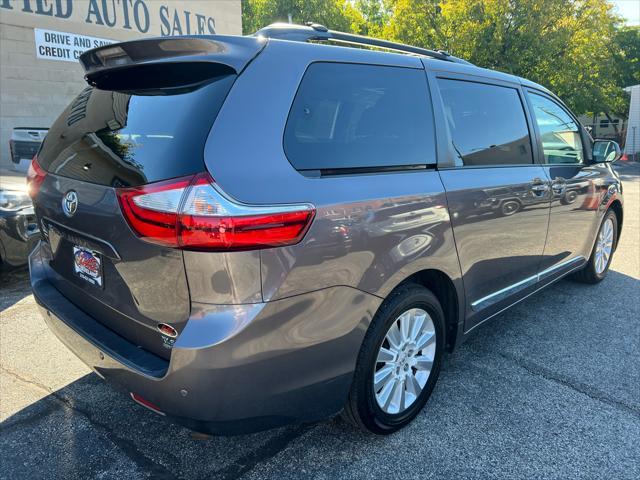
(35, 177)
(152, 210)
(193, 214)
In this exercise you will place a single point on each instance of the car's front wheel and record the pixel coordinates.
(602, 254)
(399, 361)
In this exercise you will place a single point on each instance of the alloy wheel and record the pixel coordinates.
(404, 361)
(604, 246)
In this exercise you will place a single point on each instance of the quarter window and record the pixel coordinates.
(360, 116)
(559, 133)
(487, 123)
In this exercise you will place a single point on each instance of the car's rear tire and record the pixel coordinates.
(602, 253)
(402, 352)
(510, 207)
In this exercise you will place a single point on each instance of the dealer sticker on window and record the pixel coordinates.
(87, 264)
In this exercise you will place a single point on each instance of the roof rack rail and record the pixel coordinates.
(315, 32)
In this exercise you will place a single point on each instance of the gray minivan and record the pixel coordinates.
(245, 232)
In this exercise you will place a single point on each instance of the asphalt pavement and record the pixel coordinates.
(549, 389)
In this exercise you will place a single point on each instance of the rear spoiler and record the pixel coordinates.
(233, 52)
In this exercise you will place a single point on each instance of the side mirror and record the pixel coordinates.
(606, 151)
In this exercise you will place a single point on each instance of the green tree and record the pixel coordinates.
(335, 14)
(375, 15)
(565, 45)
(628, 38)
(626, 68)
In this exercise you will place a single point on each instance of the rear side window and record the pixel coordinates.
(487, 123)
(348, 116)
(132, 137)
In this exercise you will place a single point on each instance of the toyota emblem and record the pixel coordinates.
(70, 203)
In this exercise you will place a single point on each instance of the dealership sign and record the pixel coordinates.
(164, 17)
(63, 46)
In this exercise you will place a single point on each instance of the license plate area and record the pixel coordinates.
(87, 264)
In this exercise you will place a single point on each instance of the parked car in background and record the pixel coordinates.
(18, 226)
(24, 144)
(245, 232)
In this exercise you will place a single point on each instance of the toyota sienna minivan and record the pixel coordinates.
(246, 232)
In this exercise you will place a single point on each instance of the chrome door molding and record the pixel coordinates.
(503, 293)
(549, 272)
(540, 287)
(506, 292)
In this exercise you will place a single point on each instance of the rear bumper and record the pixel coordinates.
(234, 368)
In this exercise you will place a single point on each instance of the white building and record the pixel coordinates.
(632, 142)
(40, 41)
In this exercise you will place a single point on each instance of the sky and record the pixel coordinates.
(629, 9)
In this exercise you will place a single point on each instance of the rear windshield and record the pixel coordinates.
(119, 138)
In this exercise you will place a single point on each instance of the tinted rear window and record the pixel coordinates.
(487, 123)
(360, 116)
(128, 138)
